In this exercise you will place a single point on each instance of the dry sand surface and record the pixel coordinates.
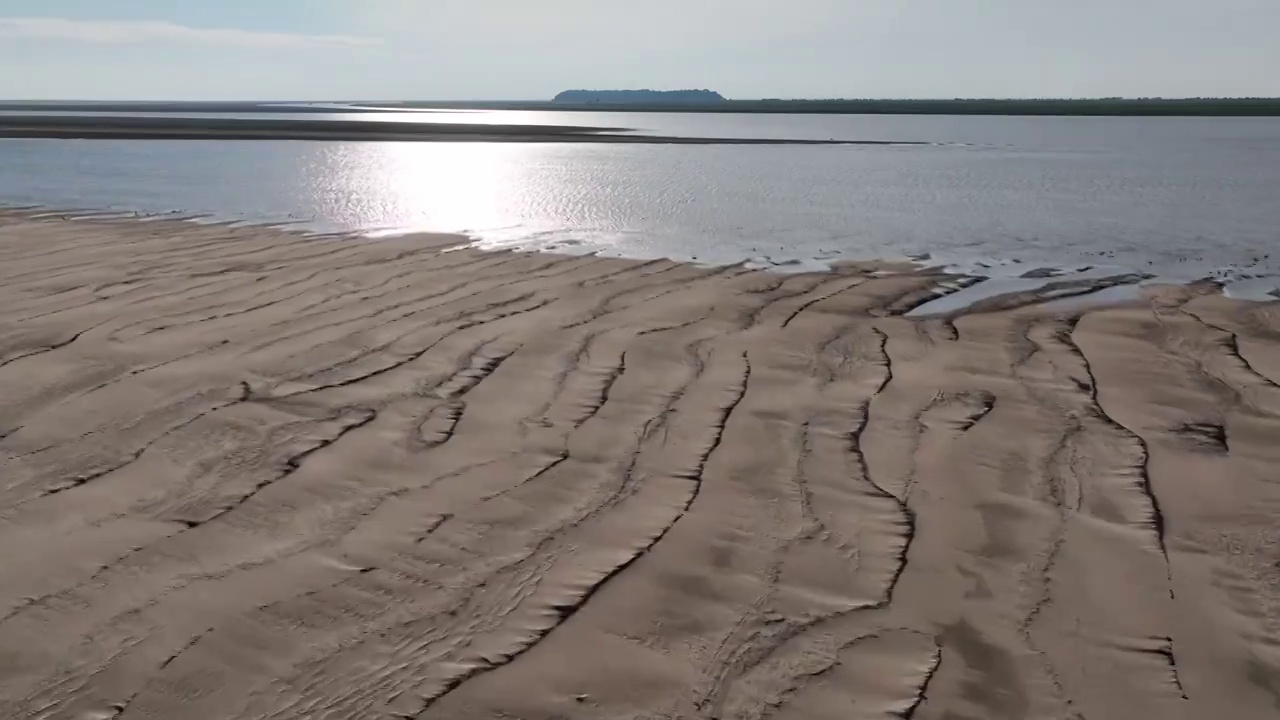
(251, 474)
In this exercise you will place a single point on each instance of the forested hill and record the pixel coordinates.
(691, 97)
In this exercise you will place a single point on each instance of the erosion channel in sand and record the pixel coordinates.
(255, 474)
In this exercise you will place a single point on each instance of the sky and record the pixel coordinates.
(532, 49)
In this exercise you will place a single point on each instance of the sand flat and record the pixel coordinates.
(250, 474)
(163, 127)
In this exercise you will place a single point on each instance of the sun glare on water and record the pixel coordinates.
(447, 187)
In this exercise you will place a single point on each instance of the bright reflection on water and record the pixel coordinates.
(446, 187)
(544, 195)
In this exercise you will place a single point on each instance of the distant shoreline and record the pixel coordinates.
(1247, 107)
(1182, 107)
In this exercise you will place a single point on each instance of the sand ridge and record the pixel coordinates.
(246, 473)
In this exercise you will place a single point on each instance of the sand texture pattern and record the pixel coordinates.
(247, 474)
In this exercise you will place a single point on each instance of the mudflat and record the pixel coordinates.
(246, 473)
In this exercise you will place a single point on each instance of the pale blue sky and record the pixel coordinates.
(527, 49)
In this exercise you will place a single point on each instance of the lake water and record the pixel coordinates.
(1182, 198)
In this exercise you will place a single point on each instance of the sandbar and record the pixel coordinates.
(249, 473)
(157, 127)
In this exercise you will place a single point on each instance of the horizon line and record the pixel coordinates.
(1124, 98)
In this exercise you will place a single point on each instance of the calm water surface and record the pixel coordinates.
(1179, 197)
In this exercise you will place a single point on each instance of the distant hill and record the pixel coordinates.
(661, 102)
(689, 97)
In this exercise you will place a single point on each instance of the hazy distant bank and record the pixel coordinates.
(1248, 107)
(642, 97)
(1223, 107)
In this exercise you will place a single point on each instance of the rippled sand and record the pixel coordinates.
(249, 474)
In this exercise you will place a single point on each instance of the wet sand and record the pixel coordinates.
(251, 474)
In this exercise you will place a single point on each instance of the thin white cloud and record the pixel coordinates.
(117, 32)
